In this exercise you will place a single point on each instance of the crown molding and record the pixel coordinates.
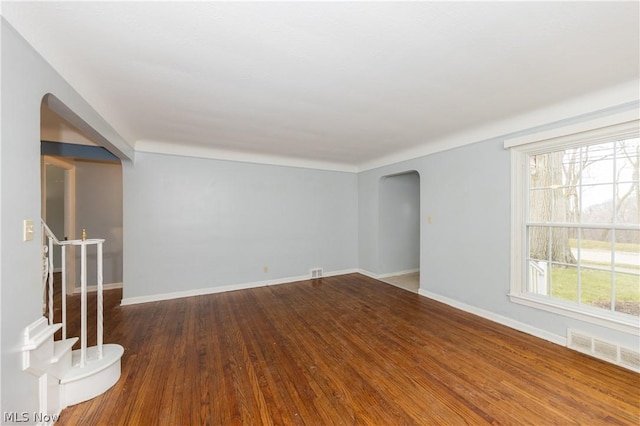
(612, 100)
(158, 147)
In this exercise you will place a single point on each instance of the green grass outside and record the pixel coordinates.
(595, 286)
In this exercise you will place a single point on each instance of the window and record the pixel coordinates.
(576, 223)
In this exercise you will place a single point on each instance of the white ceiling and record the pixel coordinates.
(349, 83)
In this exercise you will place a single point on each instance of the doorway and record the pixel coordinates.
(399, 230)
(92, 196)
(59, 209)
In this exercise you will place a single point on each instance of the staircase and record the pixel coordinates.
(65, 376)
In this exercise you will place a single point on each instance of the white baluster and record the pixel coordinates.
(100, 301)
(63, 290)
(50, 259)
(83, 303)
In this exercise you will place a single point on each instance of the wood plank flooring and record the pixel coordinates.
(342, 350)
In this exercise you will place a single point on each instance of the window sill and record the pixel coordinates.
(621, 322)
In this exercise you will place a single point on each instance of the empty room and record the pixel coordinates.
(320, 213)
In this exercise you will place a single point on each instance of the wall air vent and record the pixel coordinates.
(630, 359)
(606, 351)
(316, 273)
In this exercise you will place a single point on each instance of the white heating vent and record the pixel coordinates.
(630, 359)
(316, 273)
(607, 351)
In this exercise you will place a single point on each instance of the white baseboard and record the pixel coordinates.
(368, 274)
(92, 288)
(525, 328)
(222, 289)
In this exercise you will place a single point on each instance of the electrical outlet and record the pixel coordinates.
(265, 269)
(27, 230)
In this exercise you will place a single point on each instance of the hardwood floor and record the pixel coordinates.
(342, 350)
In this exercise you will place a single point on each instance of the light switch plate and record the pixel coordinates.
(27, 230)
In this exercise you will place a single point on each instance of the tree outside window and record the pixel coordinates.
(583, 225)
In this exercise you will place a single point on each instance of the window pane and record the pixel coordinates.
(538, 279)
(596, 203)
(627, 156)
(572, 171)
(595, 287)
(551, 243)
(595, 249)
(561, 251)
(540, 205)
(628, 292)
(627, 277)
(564, 282)
(597, 164)
(572, 204)
(627, 247)
(539, 171)
(538, 239)
(626, 206)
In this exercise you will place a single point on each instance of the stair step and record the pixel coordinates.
(80, 384)
(41, 337)
(62, 347)
(110, 354)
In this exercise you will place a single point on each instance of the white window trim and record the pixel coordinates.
(624, 125)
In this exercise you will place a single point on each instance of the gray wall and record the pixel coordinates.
(465, 251)
(99, 211)
(200, 223)
(399, 223)
(26, 79)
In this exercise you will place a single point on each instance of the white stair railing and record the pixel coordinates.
(48, 276)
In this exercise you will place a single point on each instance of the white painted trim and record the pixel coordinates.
(630, 118)
(525, 328)
(93, 288)
(518, 201)
(221, 289)
(604, 319)
(597, 101)
(368, 274)
(157, 147)
(609, 98)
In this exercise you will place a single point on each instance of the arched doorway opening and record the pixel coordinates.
(399, 230)
(81, 189)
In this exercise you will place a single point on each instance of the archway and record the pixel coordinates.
(399, 229)
(92, 196)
